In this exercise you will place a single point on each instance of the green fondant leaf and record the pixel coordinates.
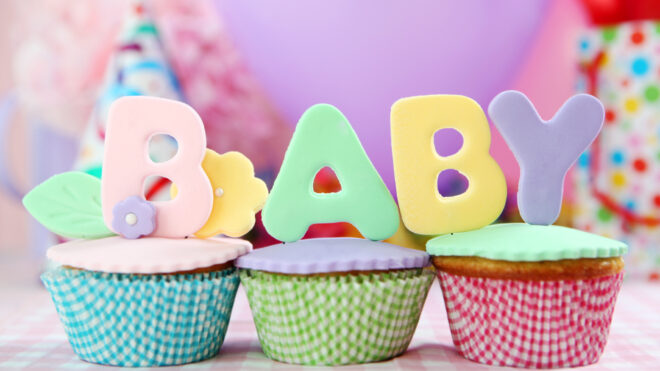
(69, 204)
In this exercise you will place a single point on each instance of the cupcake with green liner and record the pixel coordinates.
(333, 301)
(126, 295)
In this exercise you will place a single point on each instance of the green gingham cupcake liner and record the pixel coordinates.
(143, 320)
(336, 319)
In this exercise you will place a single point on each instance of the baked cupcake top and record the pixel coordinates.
(123, 232)
(148, 255)
(526, 242)
(324, 255)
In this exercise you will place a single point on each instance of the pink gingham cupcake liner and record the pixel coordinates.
(532, 324)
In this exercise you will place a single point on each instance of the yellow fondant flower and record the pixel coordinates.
(237, 194)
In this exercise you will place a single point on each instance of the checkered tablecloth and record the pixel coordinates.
(31, 336)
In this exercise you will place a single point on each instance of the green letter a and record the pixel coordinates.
(323, 138)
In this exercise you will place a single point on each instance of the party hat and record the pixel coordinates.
(138, 66)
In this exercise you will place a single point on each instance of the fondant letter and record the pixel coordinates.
(545, 149)
(132, 122)
(414, 121)
(322, 138)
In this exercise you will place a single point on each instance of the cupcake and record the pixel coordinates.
(533, 295)
(529, 296)
(143, 283)
(120, 312)
(524, 295)
(332, 301)
(335, 301)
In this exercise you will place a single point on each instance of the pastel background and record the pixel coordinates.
(251, 68)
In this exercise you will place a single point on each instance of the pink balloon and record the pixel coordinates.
(361, 56)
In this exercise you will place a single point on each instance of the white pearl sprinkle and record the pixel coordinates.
(131, 219)
(219, 192)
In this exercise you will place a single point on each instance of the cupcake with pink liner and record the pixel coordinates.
(146, 283)
(532, 294)
(528, 294)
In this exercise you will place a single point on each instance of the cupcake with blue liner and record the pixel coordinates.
(333, 301)
(143, 320)
(127, 292)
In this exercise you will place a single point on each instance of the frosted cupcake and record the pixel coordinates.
(333, 301)
(144, 283)
(522, 295)
(533, 295)
(528, 295)
(122, 313)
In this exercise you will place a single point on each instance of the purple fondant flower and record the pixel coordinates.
(134, 217)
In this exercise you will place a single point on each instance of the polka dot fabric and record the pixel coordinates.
(531, 324)
(617, 193)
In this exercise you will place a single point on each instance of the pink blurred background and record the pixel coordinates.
(251, 70)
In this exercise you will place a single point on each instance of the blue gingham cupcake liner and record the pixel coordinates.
(143, 320)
